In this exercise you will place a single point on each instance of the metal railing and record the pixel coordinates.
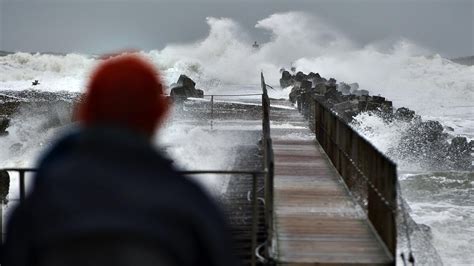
(357, 160)
(269, 163)
(253, 199)
(212, 96)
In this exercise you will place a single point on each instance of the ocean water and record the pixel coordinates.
(225, 62)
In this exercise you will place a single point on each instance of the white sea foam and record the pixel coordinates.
(55, 72)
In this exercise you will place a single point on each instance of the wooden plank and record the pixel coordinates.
(316, 220)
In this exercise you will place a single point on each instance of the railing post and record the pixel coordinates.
(269, 164)
(212, 111)
(1, 221)
(254, 219)
(270, 190)
(22, 185)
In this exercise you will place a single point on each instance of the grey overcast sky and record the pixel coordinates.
(87, 26)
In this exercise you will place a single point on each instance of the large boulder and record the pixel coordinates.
(286, 79)
(405, 114)
(300, 76)
(4, 186)
(459, 153)
(185, 88)
(316, 79)
(425, 142)
(4, 124)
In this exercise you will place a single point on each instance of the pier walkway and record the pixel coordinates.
(316, 220)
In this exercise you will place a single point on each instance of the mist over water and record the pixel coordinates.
(224, 61)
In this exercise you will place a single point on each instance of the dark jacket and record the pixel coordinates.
(110, 182)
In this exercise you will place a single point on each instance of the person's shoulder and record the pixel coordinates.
(60, 146)
(200, 194)
(188, 184)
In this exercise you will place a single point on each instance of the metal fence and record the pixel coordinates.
(253, 198)
(359, 162)
(269, 163)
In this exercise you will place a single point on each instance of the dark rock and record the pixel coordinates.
(8, 108)
(294, 94)
(332, 94)
(425, 143)
(306, 85)
(320, 88)
(459, 153)
(313, 75)
(432, 130)
(404, 114)
(448, 128)
(286, 79)
(388, 104)
(378, 99)
(346, 106)
(4, 124)
(300, 76)
(298, 89)
(185, 88)
(4, 186)
(185, 81)
(316, 79)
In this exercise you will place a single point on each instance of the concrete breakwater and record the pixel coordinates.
(428, 142)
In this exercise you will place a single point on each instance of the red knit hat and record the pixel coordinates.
(125, 90)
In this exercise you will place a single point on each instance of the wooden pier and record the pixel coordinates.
(316, 220)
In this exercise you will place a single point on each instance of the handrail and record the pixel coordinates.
(224, 95)
(356, 158)
(231, 95)
(254, 200)
(268, 164)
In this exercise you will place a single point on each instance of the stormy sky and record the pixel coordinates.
(86, 26)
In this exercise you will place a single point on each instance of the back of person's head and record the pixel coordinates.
(124, 91)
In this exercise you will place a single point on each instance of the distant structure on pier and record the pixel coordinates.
(255, 45)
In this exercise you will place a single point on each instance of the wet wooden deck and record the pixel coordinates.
(316, 220)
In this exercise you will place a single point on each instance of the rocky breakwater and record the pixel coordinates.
(429, 143)
(55, 108)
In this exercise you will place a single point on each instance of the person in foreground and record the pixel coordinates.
(104, 196)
